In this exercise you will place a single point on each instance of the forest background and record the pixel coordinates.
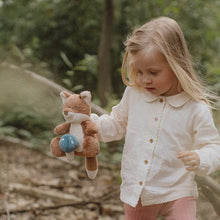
(79, 45)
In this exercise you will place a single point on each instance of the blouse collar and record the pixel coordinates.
(176, 101)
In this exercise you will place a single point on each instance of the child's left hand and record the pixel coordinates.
(190, 159)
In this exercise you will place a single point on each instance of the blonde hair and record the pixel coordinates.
(167, 36)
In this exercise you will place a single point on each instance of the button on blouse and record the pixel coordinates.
(151, 140)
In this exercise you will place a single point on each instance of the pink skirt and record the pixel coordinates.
(184, 209)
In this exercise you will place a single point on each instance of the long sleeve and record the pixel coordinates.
(157, 128)
(207, 142)
(113, 127)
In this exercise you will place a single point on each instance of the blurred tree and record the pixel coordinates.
(104, 54)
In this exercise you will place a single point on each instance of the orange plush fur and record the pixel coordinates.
(76, 111)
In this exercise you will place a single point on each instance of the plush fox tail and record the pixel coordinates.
(91, 167)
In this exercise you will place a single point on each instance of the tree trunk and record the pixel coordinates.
(104, 55)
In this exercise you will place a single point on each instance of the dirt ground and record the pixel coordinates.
(38, 187)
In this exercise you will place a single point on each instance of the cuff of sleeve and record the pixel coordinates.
(94, 117)
(203, 168)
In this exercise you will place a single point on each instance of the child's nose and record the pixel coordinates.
(146, 79)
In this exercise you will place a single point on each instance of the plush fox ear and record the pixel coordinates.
(64, 95)
(86, 96)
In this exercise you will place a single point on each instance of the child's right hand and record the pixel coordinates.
(190, 159)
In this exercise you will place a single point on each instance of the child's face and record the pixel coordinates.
(155, 74)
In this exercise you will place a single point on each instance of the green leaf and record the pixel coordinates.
(66, 60)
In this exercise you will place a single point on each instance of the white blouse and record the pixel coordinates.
(156, 129)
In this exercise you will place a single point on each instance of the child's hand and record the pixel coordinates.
(190, 159)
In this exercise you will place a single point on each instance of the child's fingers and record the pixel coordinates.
(187, 155)
(190, 160)
(184, 154)
(187, 159)
(192, 168)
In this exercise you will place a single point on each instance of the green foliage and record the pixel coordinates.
(23, 123)
(84, 69)
(49, 27)
(60, 39)
(62, 33)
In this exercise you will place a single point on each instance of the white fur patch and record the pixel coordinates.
(77, 132)
(63, 97)
(70, 156)
(86, 96)
(92, 174)
(73, 117)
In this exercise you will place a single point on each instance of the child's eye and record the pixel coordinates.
(153, 72)
(139, 72)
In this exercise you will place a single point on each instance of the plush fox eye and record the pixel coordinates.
(76, 108)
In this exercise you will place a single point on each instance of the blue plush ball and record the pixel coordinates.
(68, 143)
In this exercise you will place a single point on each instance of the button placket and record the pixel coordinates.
(153, 141)
(156, 117)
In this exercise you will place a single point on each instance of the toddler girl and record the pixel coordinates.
(166, 118)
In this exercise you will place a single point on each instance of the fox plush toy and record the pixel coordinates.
(79, 132)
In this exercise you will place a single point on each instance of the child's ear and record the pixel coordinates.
(86, 96)
(64, 95)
